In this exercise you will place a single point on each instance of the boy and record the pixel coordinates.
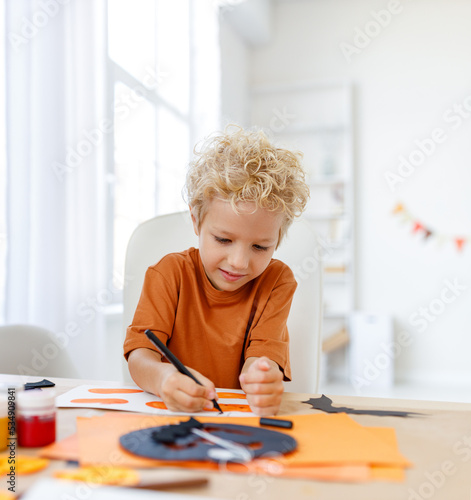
(222, 308)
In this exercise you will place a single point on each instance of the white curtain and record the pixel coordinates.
(56, 171)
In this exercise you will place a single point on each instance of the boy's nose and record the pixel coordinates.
(238, 259)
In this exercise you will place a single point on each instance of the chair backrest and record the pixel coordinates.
(31, 351)
(300, 251)
(150, 241)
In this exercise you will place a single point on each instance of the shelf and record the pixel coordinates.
(312, 216)
(336, 314)
(336, 244)
(323, 131)
(337, 280)
(335, 341)
(328, 181)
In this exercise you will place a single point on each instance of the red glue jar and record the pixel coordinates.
(36, 417)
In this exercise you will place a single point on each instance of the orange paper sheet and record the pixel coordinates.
(330, 447)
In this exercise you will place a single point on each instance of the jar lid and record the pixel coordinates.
(35, 398)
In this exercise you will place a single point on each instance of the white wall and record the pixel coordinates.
(405, 78)
(234, 75)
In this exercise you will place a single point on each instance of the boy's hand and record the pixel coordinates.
(262, 381)
(181, 393)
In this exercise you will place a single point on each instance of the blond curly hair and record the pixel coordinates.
(240, 165)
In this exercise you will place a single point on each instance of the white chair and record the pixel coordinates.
(174, 232)
(302, 252)
(149, 242)
(30, 350)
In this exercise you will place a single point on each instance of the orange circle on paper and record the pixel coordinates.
(228, 407)
(232, 395)
(233, 407)
(157, 404)
(114, 391)
(105, 401)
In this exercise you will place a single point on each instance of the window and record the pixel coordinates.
(155, 49)
(3, 166)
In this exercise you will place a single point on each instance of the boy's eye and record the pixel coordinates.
(222, 240)
(260, 248)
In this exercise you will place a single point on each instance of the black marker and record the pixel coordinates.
(167, 353)
(276, 422)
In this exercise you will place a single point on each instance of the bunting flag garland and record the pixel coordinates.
(419, 227)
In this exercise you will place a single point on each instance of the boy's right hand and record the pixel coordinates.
(181, 393)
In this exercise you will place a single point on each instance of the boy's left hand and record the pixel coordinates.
(261, 379)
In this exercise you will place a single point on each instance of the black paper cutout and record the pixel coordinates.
(325, 404)
(261, 442)
(169, 434)
(39, 385)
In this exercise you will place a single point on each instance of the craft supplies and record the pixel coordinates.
(276, 422)
(229, 451)
(325, 404)
(42, 384)
(180, 442)
(36, 418)
(132, 399)
(24, 464)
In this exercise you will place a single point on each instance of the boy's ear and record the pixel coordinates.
(195, 223)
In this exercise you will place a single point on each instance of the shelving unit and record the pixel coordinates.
(316, 118)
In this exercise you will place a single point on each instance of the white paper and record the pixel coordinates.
(54, 489)
(119, 399)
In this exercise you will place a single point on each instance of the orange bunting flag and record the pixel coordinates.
(428, 233)
(417, 227)
(459, 243)
(398, 208)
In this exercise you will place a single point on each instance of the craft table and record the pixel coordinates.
(437, 443)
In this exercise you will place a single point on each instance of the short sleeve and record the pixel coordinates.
(155, 310)
(269, 336)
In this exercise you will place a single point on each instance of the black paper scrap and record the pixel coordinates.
(262, 442)
(170, 433)
(39, 385)
(325, 404)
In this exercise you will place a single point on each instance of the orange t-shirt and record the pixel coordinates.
(204, 327)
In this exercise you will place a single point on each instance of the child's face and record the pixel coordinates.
(236, 248)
